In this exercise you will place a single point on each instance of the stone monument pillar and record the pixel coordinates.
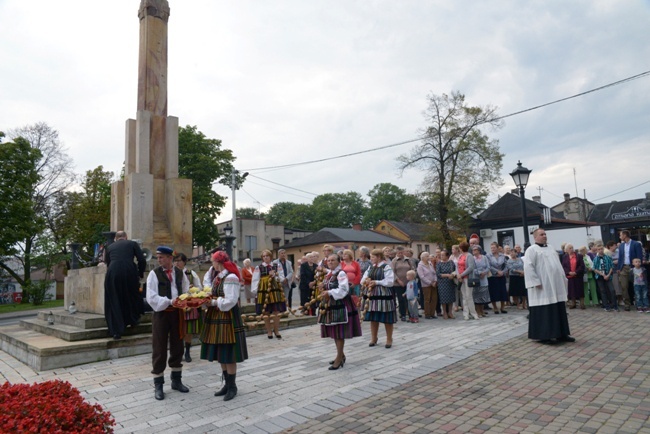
(152, 204)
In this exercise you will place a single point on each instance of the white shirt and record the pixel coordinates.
(196, 282)
(389, 276)
(157, 302)
(255, 281)
(344, 284)
(230, 291)
(544, 276)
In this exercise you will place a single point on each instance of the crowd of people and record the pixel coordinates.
(379, 286)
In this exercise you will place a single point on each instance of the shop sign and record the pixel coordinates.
(632, 213)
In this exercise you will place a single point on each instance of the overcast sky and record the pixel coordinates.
(289, 81)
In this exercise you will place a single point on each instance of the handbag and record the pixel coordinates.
(473, 282)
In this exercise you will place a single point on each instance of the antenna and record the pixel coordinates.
(575, 181)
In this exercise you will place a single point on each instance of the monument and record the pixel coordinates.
(152, 204)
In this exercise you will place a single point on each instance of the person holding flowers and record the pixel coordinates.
(165, 284)
(223, 337)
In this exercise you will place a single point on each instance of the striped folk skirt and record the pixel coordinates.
(271, 294)
(331, 327)
(223, 338)
(193, 321)
(382, 306)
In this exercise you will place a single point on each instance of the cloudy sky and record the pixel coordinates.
(290, 81)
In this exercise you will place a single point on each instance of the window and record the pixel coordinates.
(426, 248)
(251, 242)
(419, 248)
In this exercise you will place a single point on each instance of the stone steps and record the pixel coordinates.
(76, 339)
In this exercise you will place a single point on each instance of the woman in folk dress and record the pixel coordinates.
(378, 280)
(269, 295)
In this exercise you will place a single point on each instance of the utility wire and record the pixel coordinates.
(281, 185)
(622, 191)
(615, 83)
(276, 189)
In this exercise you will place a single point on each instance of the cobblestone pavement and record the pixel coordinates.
(440, 376)
(600, 384)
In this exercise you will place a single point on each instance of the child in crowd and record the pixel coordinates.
(411, 295)
(640, 286)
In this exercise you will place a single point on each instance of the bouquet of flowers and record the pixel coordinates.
(194, 298)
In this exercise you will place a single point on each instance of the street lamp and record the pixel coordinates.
(229, 239)
(234, 186)
(520, 176)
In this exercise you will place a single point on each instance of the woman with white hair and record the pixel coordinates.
(428, 280)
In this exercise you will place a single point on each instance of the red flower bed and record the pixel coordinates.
(50, 407)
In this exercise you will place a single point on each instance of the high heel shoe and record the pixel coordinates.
(269, 336)
(332, 362)
(334, 368)
(277, 335)
(372, 344)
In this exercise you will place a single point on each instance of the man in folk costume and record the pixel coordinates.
(546, 283)
(164, 284)
(223, 337)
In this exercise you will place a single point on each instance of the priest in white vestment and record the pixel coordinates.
(547, 292)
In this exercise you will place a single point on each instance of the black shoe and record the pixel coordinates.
(547, 341)
(403, 318)
(232, 387)
(270, 337)
(224, 389)
(177, 384)
(567, 339)
(117, 337)
(496, 312)
(158, 383)
(277, 335)
(388, 345)
(334, 368)
(332, 362)
(372, 344)
(188, 358)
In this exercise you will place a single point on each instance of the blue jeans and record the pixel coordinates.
(641, 296)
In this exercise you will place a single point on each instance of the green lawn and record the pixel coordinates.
(7, 308)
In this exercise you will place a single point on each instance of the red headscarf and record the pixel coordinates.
(222, 257)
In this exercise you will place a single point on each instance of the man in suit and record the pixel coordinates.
(287, 268)
(122, 300)
(628, 250)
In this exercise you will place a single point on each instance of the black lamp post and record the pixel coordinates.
(229, 239)
(520, 176)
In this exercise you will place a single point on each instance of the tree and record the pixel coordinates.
(290, 215)
(388, 202)
(204, 162)
(82, 216)
(249, 213)
(18, 180)
(461, 163)
(338, 210)
(54, 169)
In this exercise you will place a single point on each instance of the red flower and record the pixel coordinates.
(50, 407)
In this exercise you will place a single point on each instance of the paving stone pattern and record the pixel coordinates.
(440, 376)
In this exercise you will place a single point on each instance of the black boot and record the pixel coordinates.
(232, 387)
(188, 359)
(158, 384)
(224, 389)
(177, 384)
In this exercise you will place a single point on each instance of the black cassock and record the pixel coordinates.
(123, 303)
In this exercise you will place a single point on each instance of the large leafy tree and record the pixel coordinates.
(18, 180)
(388, 202)
(206, 163)
(54, 170)
(249, 213)
(460, 162)
(291, 215)
(82, 216)
(339, 210)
